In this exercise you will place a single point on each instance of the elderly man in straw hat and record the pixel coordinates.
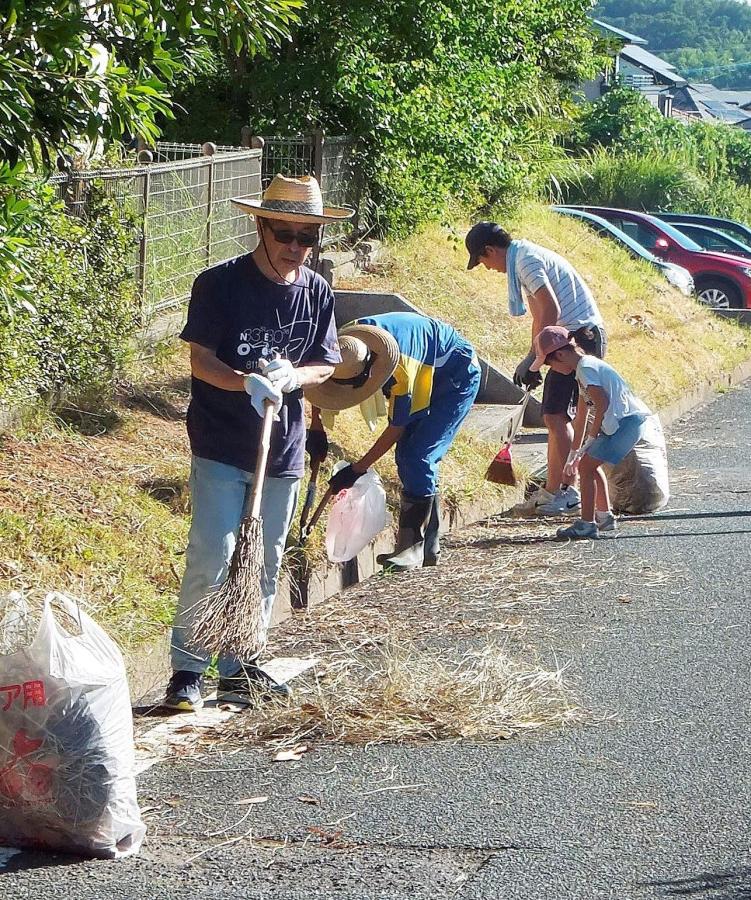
(260, 327)
(430, 375)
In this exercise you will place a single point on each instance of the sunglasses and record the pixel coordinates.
(286, 236)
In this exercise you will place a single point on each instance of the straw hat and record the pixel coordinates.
(370, 356)
(294, 200)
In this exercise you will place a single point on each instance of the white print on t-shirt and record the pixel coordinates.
(290, 341)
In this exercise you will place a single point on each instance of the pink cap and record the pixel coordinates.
(550, 339)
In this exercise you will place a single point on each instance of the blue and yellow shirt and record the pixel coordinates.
(425, 345)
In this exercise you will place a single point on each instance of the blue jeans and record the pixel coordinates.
(218, 494)
(427, 440)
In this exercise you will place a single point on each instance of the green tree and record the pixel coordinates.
(454, 98)
(71, 69)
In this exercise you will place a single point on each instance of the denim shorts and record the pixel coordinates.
(612, 448)
(561, 392)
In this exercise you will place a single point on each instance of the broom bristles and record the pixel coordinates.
(229, 620)
(501, 469)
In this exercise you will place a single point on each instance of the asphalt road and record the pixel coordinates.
(650, 800)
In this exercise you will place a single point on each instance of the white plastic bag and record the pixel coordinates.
(640, 483)
(356, 517)
(66, 740)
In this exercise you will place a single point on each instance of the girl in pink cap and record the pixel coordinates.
(609, 422)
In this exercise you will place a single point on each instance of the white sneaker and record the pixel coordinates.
(606, 521)
(531, 506)
(565, 503)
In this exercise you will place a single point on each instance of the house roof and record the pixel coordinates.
(705, 102)
(734, 98)
(663, 71)
(625, 36)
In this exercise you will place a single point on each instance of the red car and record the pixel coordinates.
(721, 280)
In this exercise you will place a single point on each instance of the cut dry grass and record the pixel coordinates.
(661, 341)
(446, 653)
(400, 693)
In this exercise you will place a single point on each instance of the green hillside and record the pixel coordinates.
(707, 40)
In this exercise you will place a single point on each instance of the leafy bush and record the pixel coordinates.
(461, 99)
(648, 182)
(71, 332)
(630, 155)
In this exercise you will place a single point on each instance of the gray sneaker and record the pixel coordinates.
(565, 503)
(184, 692)
(580, 530)
(608, 522)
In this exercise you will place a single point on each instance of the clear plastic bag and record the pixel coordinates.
(67, 778)
(357, 516)
(640, 483)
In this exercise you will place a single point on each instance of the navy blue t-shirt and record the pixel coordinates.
(243, 317)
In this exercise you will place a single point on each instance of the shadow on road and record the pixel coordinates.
(25, 860)
(730, 885)
(671, 517)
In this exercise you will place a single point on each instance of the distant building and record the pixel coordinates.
(662, 85)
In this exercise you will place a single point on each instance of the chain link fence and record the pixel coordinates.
(179, 203)
(334, 162)
(181, 210)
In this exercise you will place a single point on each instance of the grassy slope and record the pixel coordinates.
(659, 340)
(104, 515)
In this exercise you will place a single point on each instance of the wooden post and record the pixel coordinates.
(246, 136)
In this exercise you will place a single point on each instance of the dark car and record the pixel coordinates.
(735, 229)
(676, 275)
(714, 240)
(721, 280)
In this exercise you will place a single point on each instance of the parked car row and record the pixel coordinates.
(714, 253)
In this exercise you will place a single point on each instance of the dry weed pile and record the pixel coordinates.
(403, 694)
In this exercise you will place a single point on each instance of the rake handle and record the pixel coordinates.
(262, 458)
(306, 529)
(315, 465)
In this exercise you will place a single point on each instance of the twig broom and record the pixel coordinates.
(229, 620)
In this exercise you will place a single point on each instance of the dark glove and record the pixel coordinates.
(532, 380)
(317, 444)
(523, 377)
(344, 479)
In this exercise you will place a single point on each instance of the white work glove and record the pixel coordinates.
(573, 459)
(260, 389)
(281, 373)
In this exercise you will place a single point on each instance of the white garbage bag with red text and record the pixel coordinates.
(67, 779)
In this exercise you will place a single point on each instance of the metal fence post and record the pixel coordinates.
(318, 139)
(143, 243)
(208, 150)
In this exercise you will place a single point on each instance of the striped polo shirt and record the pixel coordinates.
(539, 267)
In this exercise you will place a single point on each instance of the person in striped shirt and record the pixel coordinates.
(555, 294)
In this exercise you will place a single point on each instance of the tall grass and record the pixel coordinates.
(651, 181)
